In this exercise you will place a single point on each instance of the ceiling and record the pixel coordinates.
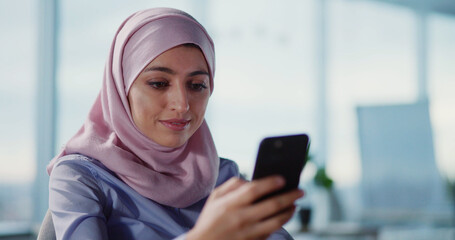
(439, 6)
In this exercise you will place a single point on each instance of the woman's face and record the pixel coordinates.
(169, 97)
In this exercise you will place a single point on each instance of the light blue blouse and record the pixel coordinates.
(88, 201)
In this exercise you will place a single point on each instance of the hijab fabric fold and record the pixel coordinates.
(176, 177)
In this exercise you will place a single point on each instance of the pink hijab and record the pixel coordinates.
(176, 177)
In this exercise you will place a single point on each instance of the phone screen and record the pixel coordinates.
(282, 155)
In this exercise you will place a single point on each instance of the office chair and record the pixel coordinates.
(47, 231)
(400, 177)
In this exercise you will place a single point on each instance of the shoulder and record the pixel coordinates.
(74, 177)
(71, 164)
(75, 170)
(77, 163)
(228, 165)
(228, 169)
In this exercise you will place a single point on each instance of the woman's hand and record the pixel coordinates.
(231, 212)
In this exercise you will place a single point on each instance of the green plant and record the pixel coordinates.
(321, 179)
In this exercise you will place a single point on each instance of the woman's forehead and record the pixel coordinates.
(188, 55)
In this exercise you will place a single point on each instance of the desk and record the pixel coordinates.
(352, 232)
(339, 231)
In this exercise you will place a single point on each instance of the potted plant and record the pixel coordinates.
(325, 202)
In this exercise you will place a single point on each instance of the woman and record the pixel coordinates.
(144, 163)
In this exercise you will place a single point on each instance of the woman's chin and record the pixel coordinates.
(171, 143)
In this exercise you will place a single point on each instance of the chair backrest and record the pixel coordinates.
(47, 231)
(399, 172)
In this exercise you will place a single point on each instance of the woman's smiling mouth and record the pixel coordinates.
(176, 124)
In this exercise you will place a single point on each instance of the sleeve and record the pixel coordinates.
(76, 203)
(228, 169)
(281, 234)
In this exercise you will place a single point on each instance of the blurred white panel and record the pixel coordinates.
(399, 172)
(17, 108)
(442, 89)
(264, 83)
(371, 59)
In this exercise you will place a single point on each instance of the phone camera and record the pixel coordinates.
(278, 144)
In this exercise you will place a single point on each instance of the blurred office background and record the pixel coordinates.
(371, 81)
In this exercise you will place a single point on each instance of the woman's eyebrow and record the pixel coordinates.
(161, 69)
(170, 71)
(200, 72)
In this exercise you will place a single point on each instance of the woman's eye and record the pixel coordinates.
(158, 84)
(197, 86)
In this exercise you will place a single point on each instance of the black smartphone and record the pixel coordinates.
(282, 155)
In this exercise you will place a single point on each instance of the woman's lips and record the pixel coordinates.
(176, 124)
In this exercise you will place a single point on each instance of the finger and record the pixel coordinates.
(251, 191)
(228, 186)
(269, 225)
(272, 206)
(263, 237)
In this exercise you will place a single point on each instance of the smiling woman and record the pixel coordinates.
(169, 98)
(144, 164)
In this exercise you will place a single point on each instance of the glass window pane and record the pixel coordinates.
(372, 52)
(17, 104)
(265, 80)
(442, 89)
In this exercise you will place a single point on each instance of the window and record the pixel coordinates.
(264, 84)
(17, 104)
(441, 88)
(371, 61)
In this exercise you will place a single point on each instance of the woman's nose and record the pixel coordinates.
(178, 100)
